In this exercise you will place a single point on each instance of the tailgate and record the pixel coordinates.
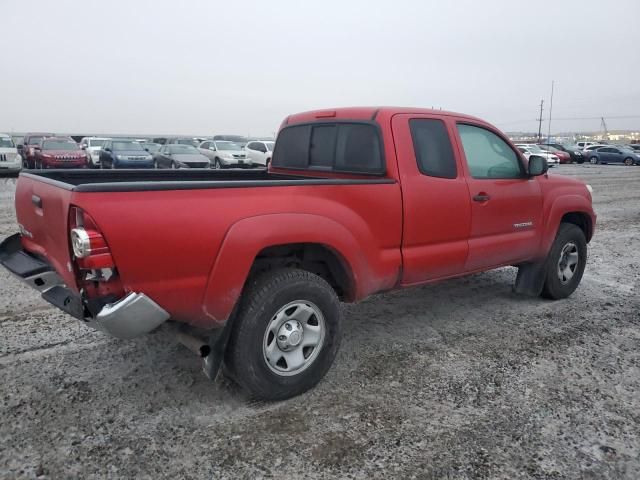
(42, 210)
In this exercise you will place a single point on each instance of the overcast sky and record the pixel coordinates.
(206, 67)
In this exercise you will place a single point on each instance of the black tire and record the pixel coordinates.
(554, 287)
(266, 295)
(216, 164)
(629, 162)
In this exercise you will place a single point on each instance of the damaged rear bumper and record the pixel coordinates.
(129, 317)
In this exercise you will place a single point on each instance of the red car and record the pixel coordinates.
(60, 152)
(563, 156)
(248, 267)
(28, 148)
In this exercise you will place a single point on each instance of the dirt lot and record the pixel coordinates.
(457, 380)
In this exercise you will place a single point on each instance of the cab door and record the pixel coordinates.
(435, 198)
(506, 204)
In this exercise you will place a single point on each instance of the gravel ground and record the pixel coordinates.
(456, 380)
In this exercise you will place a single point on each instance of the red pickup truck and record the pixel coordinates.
(248, 268)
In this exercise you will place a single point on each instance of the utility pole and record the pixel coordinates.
(605, 134)
(540, 121)
(550, 110)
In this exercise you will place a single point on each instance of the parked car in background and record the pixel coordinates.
(634, 146)
(533, 149)
(237, 139)
(93, 145)
(179, 156)
(574, 152)
(563, 156)
(587, 151)
(193, 141)
(150, 147)
(10, 159)
(584, 145)
(28, 149)
(260, 152)
(224, 154)
(614, 154)
(60, 152)
(118, 153)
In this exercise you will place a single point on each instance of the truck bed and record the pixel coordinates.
(149, 180)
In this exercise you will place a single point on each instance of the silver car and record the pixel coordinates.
(224, 154)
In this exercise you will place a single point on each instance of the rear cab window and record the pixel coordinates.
(344, 147)
(432, 147)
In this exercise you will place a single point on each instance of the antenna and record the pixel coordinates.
(540, 121)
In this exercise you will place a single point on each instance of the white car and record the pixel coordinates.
(222, 154)
(93, 145)
(260, 151)
(584, 145)
(10, 159)
(588, 149)
(529, 149)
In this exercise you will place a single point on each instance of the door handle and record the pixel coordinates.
(481, 197)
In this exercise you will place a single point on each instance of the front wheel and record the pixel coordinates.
(566, 262)
(286, 335)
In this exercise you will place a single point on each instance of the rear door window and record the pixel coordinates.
(340, 146)
(432, 147)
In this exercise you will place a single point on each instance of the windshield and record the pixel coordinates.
(227, 146)
(59, 145)
(186, 141)
(35, 140)
(270, 145)
(535, 149)
(128, 146)
(182, 149)
(6, 142)
(151, 147)
(96, 143)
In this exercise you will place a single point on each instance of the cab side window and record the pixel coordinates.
(488, 156)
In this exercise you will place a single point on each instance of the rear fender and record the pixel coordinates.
(246, 238)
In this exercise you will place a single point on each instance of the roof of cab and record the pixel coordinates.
(366, 113)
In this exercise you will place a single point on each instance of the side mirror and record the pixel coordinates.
(537, 166)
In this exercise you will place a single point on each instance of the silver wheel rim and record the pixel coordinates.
(294, 338)
(594, 160)
(568, 262)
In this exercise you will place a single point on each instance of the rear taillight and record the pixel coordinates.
(94, 265)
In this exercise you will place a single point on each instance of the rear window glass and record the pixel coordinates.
(345, 147)
(433, 148)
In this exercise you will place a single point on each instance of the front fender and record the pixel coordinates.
(560, 207)
(247, 237)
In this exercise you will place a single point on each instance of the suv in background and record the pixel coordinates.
(118, 153)
(60, 152)
(260, 151)
(223, 154)
(10, 159)
(28, 148)
(92, 146)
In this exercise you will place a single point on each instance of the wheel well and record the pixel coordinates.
(580, 219)
(312, 257)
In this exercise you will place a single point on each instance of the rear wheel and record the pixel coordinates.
(566, 262)
(628, 161)
(286, 334)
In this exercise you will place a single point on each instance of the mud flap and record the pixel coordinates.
(218, 344)
(530, 279)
